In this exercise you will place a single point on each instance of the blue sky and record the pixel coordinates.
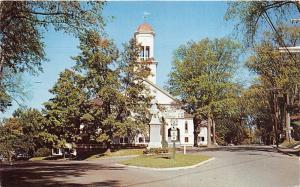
(174, 23)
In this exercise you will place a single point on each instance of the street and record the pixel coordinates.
(231, 167)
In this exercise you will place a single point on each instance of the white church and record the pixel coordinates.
(171, 108)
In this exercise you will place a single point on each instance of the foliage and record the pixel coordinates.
(229, 130)
(64, 110)
(202, 76)
(24, 132)
(102, 96)
(12, 138)
(21, 26)
(133, 72)
(278, 78)
(42, 152)
(98, 56)
(252, 16)
(11, 89)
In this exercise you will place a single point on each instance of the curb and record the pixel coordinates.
(168, 169)
(113, 157)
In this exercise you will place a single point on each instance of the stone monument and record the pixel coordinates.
(154, 125)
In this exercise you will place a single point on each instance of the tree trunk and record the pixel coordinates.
(9, 158)
(208, 131)
(214, 132)
(197, 123)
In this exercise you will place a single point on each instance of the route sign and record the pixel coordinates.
(174, 122)
(173, 135)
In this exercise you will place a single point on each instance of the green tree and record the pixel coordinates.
(11, 138)
(22, 24)
(259, 112)
(134, 112)
(279, 75)
(101, 82)
(202, 76)
(65, 109)
(24, 131)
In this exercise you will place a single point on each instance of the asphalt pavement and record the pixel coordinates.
(232, 167)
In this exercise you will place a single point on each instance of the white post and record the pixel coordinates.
(184, 149)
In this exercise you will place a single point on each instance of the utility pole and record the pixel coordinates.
(287, 119)
(276, 119)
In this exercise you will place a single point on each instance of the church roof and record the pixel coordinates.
(187, 115)
(162, 90)
(144, 28)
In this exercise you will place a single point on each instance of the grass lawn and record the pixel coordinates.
(121, 152)
(291, 144)
(37, 158)
(156, 162)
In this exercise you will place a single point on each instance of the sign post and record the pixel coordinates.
(174, 135)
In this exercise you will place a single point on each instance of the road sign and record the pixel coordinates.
(174, 122)
(173, 135)
(173, 114)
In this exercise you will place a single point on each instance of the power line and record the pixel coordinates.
(267, 18)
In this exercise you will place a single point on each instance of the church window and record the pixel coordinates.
(186, 139)
(186, 127)
(142, 52)
(126, 139)
(121, 140)
(147, 52)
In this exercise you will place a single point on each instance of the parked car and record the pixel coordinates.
(21, 156)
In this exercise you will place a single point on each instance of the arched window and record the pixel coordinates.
(141, 140)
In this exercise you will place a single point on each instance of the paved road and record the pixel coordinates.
(233, 167)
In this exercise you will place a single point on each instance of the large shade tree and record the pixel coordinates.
(202, 75)
(279, 75)
(24, 132)
(64, 110)
(22, 24)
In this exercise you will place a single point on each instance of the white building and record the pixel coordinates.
(185, 129)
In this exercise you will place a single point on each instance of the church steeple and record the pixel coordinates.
(145, 37)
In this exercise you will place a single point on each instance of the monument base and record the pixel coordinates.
(154, 145)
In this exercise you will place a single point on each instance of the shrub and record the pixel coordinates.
(43, 152)
(156, 151)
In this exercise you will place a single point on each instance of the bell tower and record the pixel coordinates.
(144, 36)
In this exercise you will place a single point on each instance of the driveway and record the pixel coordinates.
(231, 167)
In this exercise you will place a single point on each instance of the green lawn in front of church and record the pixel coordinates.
(155, 161)
(117, 153)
